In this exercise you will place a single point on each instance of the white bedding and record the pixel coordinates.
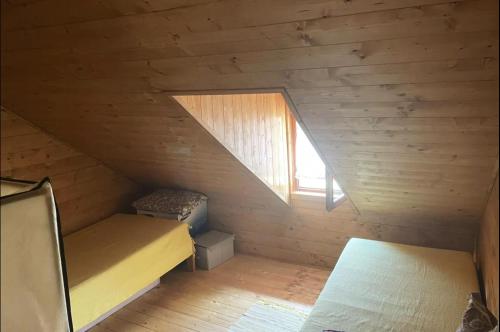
(380, 286)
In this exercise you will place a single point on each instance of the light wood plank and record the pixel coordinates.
(488, 250)
(267, 156)
(78, 181)
(400, 98)
(225, 298)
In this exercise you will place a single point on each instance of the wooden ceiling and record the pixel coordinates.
(401, 96)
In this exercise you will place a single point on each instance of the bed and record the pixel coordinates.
(119, 258)
(380, 286)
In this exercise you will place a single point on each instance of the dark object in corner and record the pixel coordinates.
(477, 318)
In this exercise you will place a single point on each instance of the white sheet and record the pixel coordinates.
(380, 286)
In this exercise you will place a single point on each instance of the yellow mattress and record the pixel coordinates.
(380, 286)
(112, 260)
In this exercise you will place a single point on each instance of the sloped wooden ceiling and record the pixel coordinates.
(401, 96)
(85, 189)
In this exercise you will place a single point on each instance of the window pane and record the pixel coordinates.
(310, 170)
(336, 189)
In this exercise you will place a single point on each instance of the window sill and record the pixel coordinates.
(316, 197)
(308, 194)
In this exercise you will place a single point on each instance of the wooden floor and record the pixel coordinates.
(246, 293)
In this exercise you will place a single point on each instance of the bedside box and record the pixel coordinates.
(213, 248)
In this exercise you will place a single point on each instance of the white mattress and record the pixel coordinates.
(380, 286)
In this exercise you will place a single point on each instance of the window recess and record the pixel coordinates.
(260, 129)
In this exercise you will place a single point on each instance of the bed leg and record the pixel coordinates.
(191, 263)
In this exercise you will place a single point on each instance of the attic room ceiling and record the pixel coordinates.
(400, 96)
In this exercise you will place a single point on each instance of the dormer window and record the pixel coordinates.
(309, 174)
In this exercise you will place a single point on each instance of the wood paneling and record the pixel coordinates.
(253, 127)
(400, 96)
(488, 250)
(308, 234)
(86, 190)
(170, 148)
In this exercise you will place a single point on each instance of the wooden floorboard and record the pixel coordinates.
(247, 293)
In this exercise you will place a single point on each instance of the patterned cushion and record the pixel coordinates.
(170, 201)
(477, 318)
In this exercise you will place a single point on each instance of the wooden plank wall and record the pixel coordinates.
(253, 127)
(86, 190)
(376, 83)
(306, 233)
(488, 250)
(401, 96)
(167, 147)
